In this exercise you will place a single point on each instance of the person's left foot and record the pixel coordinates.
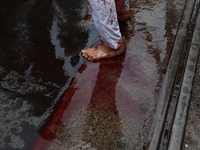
(102, 51)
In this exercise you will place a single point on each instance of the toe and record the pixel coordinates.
(84, 55)
(83, 51)
(90, 58)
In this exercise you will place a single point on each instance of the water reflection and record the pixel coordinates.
(41, 50)
(66, 35)
(31, 70)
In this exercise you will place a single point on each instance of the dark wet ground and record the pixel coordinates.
(51, 98)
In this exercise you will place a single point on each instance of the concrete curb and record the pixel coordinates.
(168, 81)
(186, 89)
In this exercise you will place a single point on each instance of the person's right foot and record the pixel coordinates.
(102, 52)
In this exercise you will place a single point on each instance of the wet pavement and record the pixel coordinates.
(192, 134)
(52, 98)
(192, 130)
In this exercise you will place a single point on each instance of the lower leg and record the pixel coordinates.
(105, 20)
(122, 8)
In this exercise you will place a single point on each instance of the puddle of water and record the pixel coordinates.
(98, 111)
(110, 103)
(34, 73)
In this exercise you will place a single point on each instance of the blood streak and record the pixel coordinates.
(104, 1)
(111, 22)
(108, 55)
(96, 47)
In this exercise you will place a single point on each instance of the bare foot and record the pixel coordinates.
(101, 52)
(124, 17)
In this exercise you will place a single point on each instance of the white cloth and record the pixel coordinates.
(104, 14)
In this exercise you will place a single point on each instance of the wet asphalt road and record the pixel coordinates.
(33, 64)
(40, 45)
